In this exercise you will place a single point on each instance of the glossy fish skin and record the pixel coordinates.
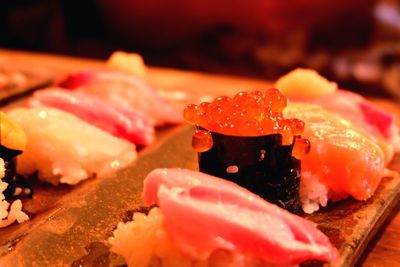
(128, 90)
(230, 217)
(345, 158)
(306, 85)
(65, 149)
(363, 114)
(118, 120)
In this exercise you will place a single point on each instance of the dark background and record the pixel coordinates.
(355, 42)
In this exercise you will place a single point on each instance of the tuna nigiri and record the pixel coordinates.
(127, 90)
(344, 160)
(64, 149)
(204, 219)
(118, 120)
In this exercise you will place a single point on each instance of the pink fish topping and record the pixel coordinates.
(127, 90)
(377, 117)
(120, 121)
(203, 213)
(365, 115)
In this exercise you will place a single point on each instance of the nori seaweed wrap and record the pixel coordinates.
(259, 163)
(17, 186)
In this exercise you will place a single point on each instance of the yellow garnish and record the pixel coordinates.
(128, 62)
(11, 134)
(304, 83)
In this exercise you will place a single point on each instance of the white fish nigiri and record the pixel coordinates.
(64, 149)
(127, 90)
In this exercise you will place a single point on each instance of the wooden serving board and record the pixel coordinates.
(69, 225)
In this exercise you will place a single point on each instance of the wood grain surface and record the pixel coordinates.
(382, 250)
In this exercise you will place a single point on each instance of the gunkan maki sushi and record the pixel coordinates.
(12, 186)
(247, 140)
(12, 143)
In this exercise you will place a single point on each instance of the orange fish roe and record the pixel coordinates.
(202, 141)
(246, 114)
(301, 148)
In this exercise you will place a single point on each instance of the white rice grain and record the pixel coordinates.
(144, 242)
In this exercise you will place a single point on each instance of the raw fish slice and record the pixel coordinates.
(344, 160)
(306, 85)
(127, 90)
(228, 216)
(362, 113)
(145, 242)
(118, 120)
(186, 179)
(65, 149)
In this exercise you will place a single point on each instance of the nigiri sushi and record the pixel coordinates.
(64, 149)
(308, 86)
(207, 221)
(12, 143)
(125, 90)
(343, 161)
(120, 121)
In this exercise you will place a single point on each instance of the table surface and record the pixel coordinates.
(383, 249)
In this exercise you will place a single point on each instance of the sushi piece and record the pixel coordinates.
(64, 149)
(233, 227)
(119, 121)
(125, 90)
(12, 143)
(247, 140)
(343, 161)
(308, 86)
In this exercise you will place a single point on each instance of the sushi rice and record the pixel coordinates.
(144, 242)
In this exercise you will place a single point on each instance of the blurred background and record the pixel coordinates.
(356, 42)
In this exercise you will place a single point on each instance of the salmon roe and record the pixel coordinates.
(202, 141)
(247, 114)
(254, 113)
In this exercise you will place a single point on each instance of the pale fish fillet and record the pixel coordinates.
(65, 149)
